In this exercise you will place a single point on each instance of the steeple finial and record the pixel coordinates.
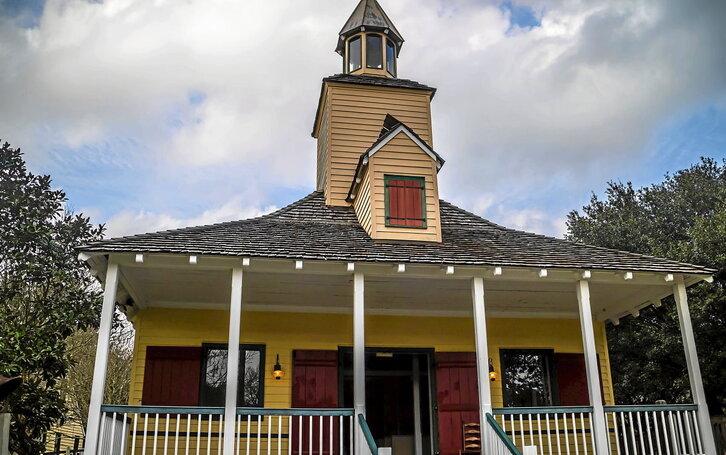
(369, 42)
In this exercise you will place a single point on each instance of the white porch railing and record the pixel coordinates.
(170, 430)
(496, 441)
(659, 429)
(557, 430)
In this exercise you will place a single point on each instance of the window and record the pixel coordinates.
(390, 58)
(405, 201)
(374, 51)
(528, 377)
(214, 375)
(354, 54)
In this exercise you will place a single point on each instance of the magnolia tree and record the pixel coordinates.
(46, 295)
(682, 218)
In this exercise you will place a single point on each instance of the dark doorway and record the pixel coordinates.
(398, 397)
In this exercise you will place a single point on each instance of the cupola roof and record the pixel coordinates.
(369, 15)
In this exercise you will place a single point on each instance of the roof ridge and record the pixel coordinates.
(569, 242)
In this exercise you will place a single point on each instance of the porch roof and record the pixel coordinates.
(309, 229)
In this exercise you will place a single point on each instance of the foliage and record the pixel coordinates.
(75, 387)
(45, 295)
(682, 218)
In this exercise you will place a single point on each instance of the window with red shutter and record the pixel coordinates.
(171, 376)
(405, 201)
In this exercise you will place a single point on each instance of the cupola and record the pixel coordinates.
(369, 42)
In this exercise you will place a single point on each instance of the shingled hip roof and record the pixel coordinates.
(309, 229)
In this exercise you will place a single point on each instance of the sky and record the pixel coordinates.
(157, 114)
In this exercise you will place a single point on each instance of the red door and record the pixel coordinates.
(457, 396)
(315, 385)
(171, 376)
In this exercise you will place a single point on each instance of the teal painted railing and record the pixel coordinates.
(544, 410)
(367, 434)
(502, 441)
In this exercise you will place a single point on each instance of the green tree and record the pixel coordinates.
(682, 218)
(75, 387)
(45, 295)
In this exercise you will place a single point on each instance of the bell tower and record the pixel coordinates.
(369, 42)
(375, 146)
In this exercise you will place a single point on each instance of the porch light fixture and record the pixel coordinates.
(492, 371)
(277, 372)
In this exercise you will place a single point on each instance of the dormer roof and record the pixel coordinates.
(370, 15)
(391, 128)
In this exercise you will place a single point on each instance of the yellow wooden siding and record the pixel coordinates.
(362, 203)
(355, 114)
(401, 156)
(281, 333)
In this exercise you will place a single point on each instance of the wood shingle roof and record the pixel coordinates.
(309, 229)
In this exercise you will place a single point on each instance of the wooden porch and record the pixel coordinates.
(355, 292)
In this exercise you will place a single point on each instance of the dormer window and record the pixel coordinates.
(374, 51)
(354, 54)
(405, 201)
(390, 58)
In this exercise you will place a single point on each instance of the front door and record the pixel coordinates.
(398, 397)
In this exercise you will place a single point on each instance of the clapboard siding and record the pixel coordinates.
(350, 122)
(362, 204)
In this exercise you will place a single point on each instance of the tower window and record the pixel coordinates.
(354, 54)
(390, 58)
(405, 201)
(374, 51)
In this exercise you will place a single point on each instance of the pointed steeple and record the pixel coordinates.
(369, 42)
(369, 15)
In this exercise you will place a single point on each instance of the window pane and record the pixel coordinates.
(214, 380)
(390, 58)
(526, 378)
(354, 54)
(215, 376)
(374, 45)
(252, 384)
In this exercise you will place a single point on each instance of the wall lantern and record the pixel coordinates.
(277, 372)
(492, 371)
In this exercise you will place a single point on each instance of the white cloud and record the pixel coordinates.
(531, 220)
(552, 109)
(128, 222)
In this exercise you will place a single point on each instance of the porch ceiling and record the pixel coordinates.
(409, 293)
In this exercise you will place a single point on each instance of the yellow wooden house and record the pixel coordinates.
(373, 317)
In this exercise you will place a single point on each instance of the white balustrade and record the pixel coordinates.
(152, 430)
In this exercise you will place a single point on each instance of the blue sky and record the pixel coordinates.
(155, 115)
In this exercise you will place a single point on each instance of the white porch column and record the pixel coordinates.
(591, 368)
(694, 370)
(482, 354)
(230, 397)
(102, 348)
(359, 360)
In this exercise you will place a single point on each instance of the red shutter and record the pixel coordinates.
(314, 385)
(405, 203)
(171, 376)
(572, 379)
(457, 396)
